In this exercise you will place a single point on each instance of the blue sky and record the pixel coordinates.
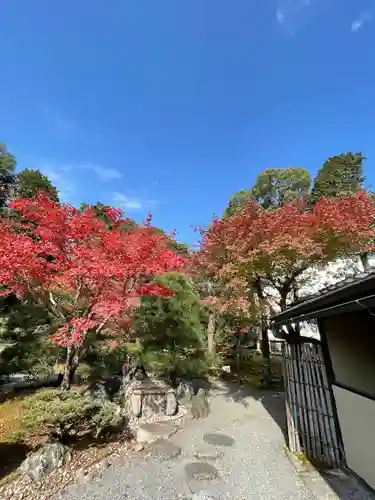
(170, 106)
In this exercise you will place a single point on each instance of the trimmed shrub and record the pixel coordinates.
(68, 415)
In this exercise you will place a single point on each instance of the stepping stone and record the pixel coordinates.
(148, 433)
(218, 439)
(208, 452)
(164, 450)
(201, 471)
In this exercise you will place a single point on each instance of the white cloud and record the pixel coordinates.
(291, 14)
(280, 16)
(105, 173)
(289, 8)
(122, 201)
(362, 19)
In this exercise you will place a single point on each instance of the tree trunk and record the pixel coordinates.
(264, 340)
(211, 344)
(71, 365)
(265, 349)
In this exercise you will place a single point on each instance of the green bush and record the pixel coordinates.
(83, 374)
(68, 414)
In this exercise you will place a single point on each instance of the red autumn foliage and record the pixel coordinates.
(92, 275)
(282, 243)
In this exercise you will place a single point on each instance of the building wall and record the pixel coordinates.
(351, 343)
(357, 422)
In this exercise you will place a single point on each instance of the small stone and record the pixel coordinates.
(208, 453)
(164, 450)
(201, 471)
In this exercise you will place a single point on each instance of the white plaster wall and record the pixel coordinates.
(351, 344)
(357, 421)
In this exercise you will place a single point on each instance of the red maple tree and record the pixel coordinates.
(87, 275)
(257, 248)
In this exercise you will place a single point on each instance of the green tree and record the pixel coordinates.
(7, 175)
(237, 201)
(32, 181)
(275, 187)
(339, 175)
(170, 330)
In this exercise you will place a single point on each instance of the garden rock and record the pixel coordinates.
(198, 405)
(42, 462)
(185, 390)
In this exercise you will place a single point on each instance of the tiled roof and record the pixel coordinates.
(355, 278)
(337, 293)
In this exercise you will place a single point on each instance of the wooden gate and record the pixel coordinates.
(311, 421)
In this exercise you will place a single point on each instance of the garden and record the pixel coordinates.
(107, 323)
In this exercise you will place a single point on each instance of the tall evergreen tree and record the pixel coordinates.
(339, 175)
(170, 330)
(8, 180)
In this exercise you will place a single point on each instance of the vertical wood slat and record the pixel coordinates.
(300, 390)
(316, 368)
(289, 420)
(293, 418)
(331, 426)
(306, 369)
(309, 409)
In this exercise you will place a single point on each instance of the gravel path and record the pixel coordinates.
(251, 465)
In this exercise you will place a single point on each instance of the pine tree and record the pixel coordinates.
(171, 330)
(8, 180)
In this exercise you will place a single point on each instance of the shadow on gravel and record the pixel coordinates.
(272, 400)
(11, 457)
